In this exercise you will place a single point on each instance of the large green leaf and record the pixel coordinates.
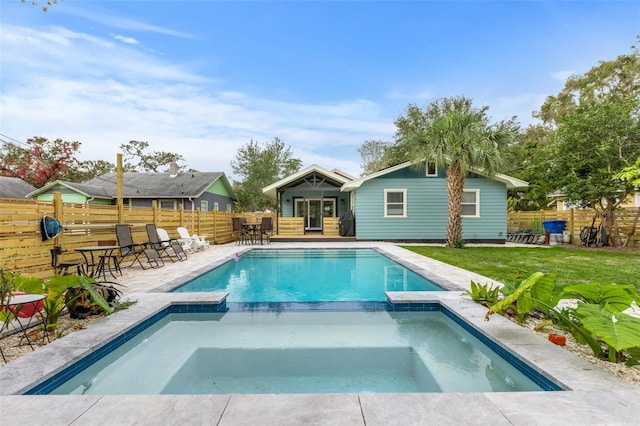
(614, 298)
(618, 330)
(519, 295)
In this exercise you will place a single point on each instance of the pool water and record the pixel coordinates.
(300, 352)
(309, 275)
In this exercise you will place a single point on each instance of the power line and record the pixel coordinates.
(11, 140)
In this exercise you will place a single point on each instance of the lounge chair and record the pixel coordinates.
(128, 248)
(197, 241)
(171, 246)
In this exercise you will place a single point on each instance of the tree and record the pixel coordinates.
(261, 165)
(529, 159)
(593, 143)
(608, 82)
(85, 170)
(377, 155)
(372, 154)
(44, 3)
(452, 134)
(40, 161)
(146, 162)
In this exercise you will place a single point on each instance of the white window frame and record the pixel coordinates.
(204, 205)
(216, 206)
(477, 203)
(404, 203)
(435, 170)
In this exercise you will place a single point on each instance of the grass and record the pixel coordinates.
(513, 264)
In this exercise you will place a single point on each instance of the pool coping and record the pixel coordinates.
(596, 397)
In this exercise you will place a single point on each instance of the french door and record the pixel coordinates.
(313, 210)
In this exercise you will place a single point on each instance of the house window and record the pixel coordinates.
(204, 205)
(432, 170)
(167, 204)
(395, 203)
(229, 206)
(471, 203)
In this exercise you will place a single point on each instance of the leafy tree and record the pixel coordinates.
(40, 162)
(452, 134)
(136, 159)
(372, 153)
(260, 165)
(608, 82)
(593, 143)
(85, 170)
(377, 155)
(529, 159)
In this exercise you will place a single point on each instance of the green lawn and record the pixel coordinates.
(512, 264)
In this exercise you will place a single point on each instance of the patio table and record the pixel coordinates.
(105, 259)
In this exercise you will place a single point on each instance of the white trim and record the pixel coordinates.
(477, 203)
(404, 203)
(509, 181)
(271, 190)
(435, 170)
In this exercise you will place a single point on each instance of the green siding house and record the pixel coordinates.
(403, 204)
(206, 191)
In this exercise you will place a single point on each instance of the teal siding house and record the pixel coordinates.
(404, 204)
(312, 194)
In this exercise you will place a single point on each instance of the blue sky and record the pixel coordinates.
(202, 78)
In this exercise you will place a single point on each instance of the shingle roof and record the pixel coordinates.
(13, 187)
(159, 185)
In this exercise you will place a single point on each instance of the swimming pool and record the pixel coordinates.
(301, 352)
(309, 275)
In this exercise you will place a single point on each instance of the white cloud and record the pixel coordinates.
(126, 40)
(104, 17)
(104, 94)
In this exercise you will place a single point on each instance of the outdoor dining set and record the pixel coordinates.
(252, 232)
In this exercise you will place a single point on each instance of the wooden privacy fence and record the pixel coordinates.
(576, 220)
(23, 251)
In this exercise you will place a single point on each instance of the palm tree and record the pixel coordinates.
(450, 133)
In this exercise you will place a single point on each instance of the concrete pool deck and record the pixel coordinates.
(595, 397)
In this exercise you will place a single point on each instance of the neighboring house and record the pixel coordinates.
(204, 190)
(13, 187)
(403, 204)
(312, 193)
(558, 201)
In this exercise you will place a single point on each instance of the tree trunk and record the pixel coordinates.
(455, 187)
(632, 231)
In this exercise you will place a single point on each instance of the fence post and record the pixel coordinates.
(154, 208)
(181, 214)
(571, 221)
(58, 213)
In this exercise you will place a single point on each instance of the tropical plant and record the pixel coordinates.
(484, 294)
(454, 135)
(597, 318)
(55, 289)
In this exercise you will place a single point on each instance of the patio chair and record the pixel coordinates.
(129, 248)
(266, 229)
(240, 231)
(62, 268)
(197, 241)
(163, 244)
(171, 245)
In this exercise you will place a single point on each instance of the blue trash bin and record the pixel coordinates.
(554, 226)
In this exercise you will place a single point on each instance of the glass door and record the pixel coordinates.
(311, 210)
